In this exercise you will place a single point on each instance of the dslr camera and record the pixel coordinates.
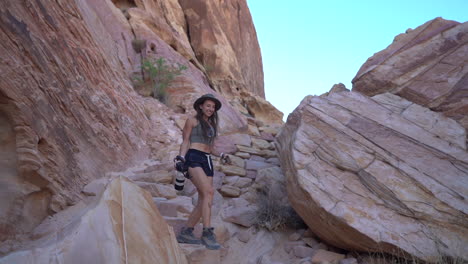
(181, 173)
(180, 164)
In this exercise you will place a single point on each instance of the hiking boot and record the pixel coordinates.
(186, 236)
(209, 239)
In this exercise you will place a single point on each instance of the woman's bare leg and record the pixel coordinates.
(204, 185)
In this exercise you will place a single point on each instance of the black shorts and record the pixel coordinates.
(196, 158)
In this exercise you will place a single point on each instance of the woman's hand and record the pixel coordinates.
(225, 159)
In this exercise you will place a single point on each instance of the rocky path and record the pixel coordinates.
(254, 168)
(251, 214)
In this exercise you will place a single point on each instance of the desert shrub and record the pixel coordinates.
(157, 74)
(274, 211)
(397, 256)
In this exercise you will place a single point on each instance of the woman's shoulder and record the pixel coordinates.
(192, 121)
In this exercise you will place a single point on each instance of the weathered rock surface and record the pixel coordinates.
(68, 113)
(426, 65)
(122, 226)
(224, 40)
(262, 110)
(365, 176)
(193, 82)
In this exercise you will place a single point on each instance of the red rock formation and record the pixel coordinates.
(426, 65)
(225, 42)
(68, 112)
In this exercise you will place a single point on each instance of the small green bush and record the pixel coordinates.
(274, 212)
(158, 75)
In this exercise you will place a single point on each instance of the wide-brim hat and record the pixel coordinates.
(205, 97)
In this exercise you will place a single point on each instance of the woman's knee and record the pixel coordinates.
(207, 193)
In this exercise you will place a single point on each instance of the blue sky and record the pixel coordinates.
(309, 45)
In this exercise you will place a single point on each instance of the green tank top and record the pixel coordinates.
(197, 135)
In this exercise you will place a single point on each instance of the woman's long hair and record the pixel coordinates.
(212, 120)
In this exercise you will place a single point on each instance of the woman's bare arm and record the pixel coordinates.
(189, 124)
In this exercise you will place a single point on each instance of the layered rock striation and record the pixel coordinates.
(224, 40)
(378, 174)
(68, 111)
(426, 65)
(120, 225)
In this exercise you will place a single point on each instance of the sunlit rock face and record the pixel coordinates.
(122, 225)
(378, 174)
(426, 65)
(224, 40)
(193, 83)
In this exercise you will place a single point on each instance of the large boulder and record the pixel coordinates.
(123, 225)
(426, 65)
(378, 175)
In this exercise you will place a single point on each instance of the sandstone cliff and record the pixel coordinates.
(68, 110)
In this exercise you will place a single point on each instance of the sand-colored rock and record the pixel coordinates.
(323, 256)
(198, 254)
(161, 176)
(262, 110)
(233, 170)
(182, 204)
(227, 143)
(230, 191)
(243, 155)
(237, 181)
(237, 161)
(362, 175)
(158, 190)
(253, 130)
(272, 129)
(249, 150)
(257, 165)
(244, 216)
(123, 226)
(95, 187)
(301, 251)
(260, 143)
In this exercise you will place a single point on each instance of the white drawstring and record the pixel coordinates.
(209, 160)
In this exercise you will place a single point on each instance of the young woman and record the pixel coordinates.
(198, 135)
